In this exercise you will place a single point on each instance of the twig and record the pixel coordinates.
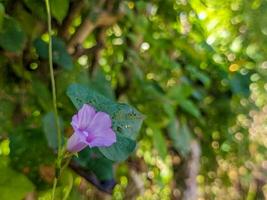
(74, 9)
(79, 51)
(90, 177)
(87, 27)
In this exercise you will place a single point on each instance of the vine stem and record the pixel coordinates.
(52, 77)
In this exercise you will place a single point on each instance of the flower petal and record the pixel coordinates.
(102, 138)
(76, 143)
(101, 121)
(83, 118)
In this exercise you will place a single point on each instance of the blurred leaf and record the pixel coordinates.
(196, 73)
(93, 160)
(190, 107)
(29, 151)
(60, 54)
(30, 25)
(181, 136)
(42, 94)
(101, 84)
(59, 9)
(13, 185)
(160, 143)
(179, 92)
(12, 38)
(2, 14)
(240, 84)
(50, 130)
(6, 111)
(66, 181)
(20, 71)
(46, 195)
(37, 7)
(180, 95)
(120, 150)
(75, 194)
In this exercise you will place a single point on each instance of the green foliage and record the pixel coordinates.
(120, 150)
(181, 136)
(10, 180)
(93, 160)
(37, 7)
(196, 70)
(160, 143)
(6, 110)
(44, 97)
(59, 9)
(101, 84)
(32, 155)
(49, 127)
(12, 37)
(2, 14)
(60, 54)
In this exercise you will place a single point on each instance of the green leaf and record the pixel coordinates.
(196, 73)
(20, 71)
(93, 160)
(126, 120)
(28, 149)
(180, 95)
(42, 94)
(6, 110)
(120, 150)
(30, 24)
(181, 136)
(50, 130)
(101, 84)
(12, 37)
(160, 143)
(2, 14)
(37, 7)
(190, 107)
(240, 84)
(180, 92)
(60, 54)
(59, 9)
(11, 180)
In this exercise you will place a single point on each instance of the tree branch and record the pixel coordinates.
(87, 27)
(104, 186)
(74, 9)
(193, 168)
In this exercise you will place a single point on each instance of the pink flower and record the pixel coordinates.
(91, 129)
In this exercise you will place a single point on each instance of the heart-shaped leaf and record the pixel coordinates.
(126, 120)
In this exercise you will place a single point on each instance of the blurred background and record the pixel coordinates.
(196, 69)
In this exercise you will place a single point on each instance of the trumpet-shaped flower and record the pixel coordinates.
(91, 129)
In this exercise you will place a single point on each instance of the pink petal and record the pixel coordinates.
(101, 121)
(83, 118)
(74, 122)
(76, 143)
(102, 138)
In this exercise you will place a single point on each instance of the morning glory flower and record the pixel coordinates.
(91, 128)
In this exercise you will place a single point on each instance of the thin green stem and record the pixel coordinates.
(52, 74)
(65, 164)
(58, 161)
(54, 188)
